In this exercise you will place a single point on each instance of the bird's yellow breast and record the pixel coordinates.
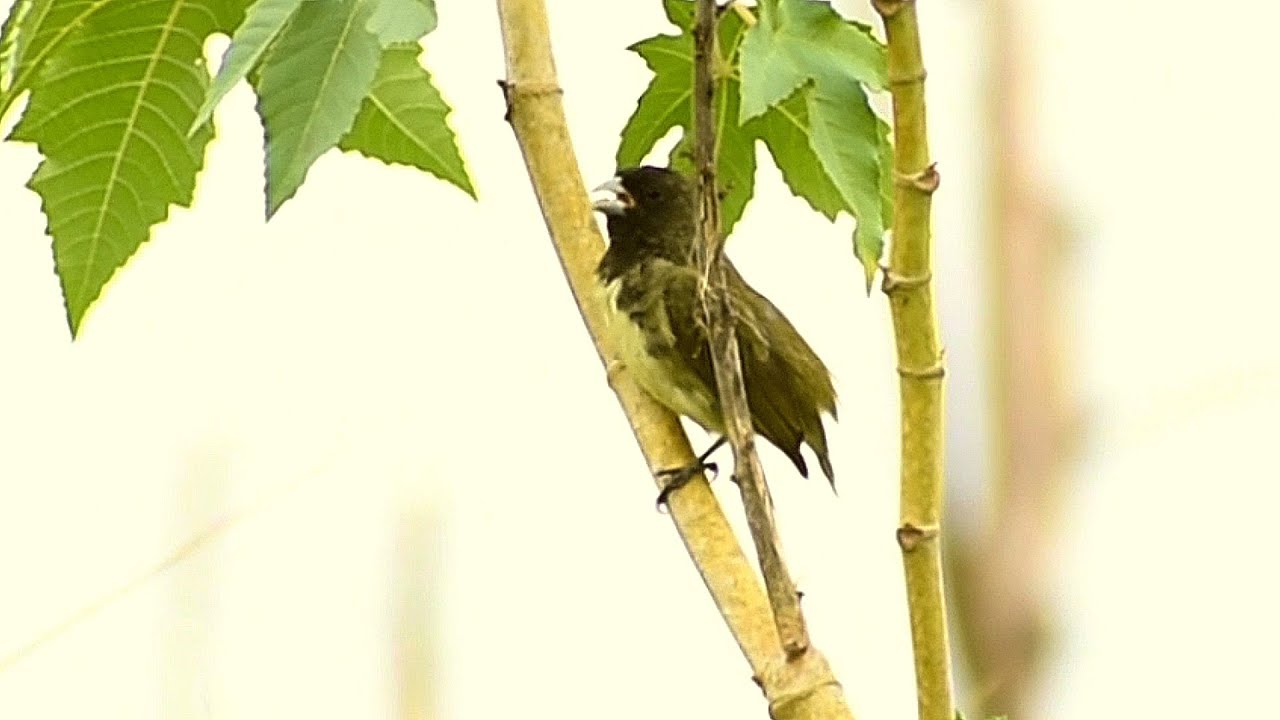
(669, 381)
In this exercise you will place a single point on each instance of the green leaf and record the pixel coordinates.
(312, 85)
(41, 30)
(13, 37)
(801, 50)
(110, 114)
(680, 13)
(846, 139)
(798, 40)
(797, 80)
(392, 21)
(666, 103)
(398, 21)
(785, 131)
(262, 24)
(735, 158)
(403, 120)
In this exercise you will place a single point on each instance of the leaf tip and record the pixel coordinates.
(869, 272)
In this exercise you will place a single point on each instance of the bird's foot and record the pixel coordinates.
(676, 478)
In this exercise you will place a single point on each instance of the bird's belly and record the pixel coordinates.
(669, 381)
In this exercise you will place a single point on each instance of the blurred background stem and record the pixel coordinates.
(1000, 569)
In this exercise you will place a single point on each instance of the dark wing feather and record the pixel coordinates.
(783, 410)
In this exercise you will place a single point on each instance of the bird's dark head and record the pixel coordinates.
(644, 189)
(650, 210)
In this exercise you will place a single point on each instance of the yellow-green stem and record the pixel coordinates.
(800, 690)
(908, 283)
(536, 113)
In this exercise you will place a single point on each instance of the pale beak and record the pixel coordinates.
(618, 202)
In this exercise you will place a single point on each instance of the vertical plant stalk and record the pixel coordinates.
(908, 284)
(800, 690)
(723, 340)
(1005, 625)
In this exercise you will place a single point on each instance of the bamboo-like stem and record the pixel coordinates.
(723, 340)
(908, 283)
(536, 113)
(803, 689)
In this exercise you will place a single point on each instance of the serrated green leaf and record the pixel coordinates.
(798, 40)
(46, 25)
(768, 79)
(397, 21)
(666, 103)
(404, 120)
(785, 131)
(263, 23)
(846, 139)
(680, 13)
(110, 115)
(312, 85)
(13, 37)
(735, 158)
(804, 49)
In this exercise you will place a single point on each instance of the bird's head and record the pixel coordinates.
(643, 189)
(649, 205)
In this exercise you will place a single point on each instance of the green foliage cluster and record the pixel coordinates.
(796, 79)
(121, 104)
(121, 107)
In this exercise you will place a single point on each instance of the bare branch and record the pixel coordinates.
(724, 345)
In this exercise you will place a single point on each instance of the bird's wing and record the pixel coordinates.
(784, 410)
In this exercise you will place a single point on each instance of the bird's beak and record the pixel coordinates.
(618, 200)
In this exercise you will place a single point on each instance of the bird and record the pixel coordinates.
(650, 278)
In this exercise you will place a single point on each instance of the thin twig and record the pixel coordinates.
(908, 283)
(724, 346)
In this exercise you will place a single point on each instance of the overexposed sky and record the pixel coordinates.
(389, 383)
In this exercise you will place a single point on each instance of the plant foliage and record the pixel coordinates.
(796, 79)
(121, 107)
(121, 104)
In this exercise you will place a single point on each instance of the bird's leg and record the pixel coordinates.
(679, 477)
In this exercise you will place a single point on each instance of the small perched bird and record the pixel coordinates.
(651, 279)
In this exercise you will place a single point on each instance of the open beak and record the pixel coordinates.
(618, 200)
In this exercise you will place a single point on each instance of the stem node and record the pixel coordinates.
(911, 537)
(935, 371)
(925, 181)
(910, 78)
(889, 8)
(894, 282)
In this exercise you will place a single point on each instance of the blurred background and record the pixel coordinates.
(362, 462)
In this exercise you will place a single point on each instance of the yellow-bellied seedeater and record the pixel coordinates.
(650, 275)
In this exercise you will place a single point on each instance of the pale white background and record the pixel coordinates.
(376, 424)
